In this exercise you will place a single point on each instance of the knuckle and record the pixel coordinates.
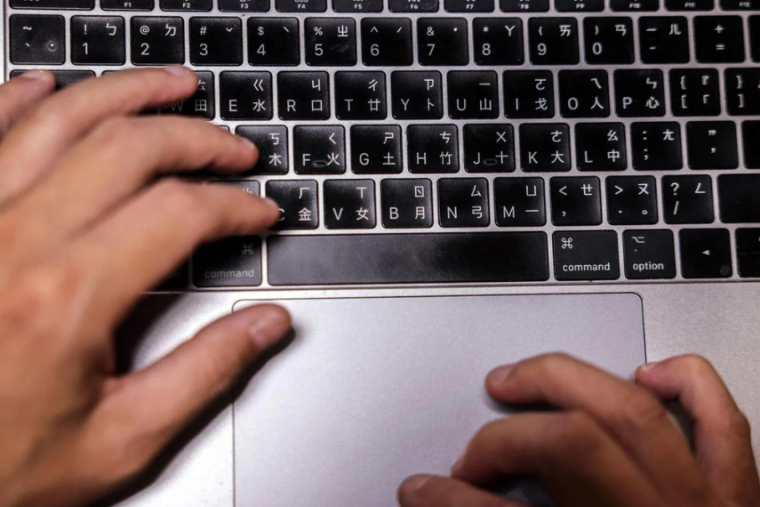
(575, 434)
(545, 364)
(696, 364)
(640, 412)
(116, 131)
(47, 287)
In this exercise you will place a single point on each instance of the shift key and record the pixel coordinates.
(586, 255)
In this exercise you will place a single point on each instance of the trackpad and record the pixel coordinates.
(373, 390)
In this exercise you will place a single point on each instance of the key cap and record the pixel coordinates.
(433, 148)
(498, 41)
(442, 41)
(489, 148)
(634, 5)
(751, 133)
(743, 91)
(408, 258)
(739, 202)
(689, 5)
(186, 5)
(63, 78)
(600, 147)
(216, 41)
(97, 40)
(272, 142)
(469, 5)
(656, 146)
(303, 95)
(360, 96)
(519, 202)
(712, 145)
(244, 5)
(349, 204)
(754, 37)
(576, 201)
(524, 5)
(586, 255)
(639, 93)
(545, 147)
(358, 6)
(301, 5)
(52, 4)
(413, 5)
(273, 42)
(748, 252)
(127, 5)
(250, 187)
(417, 95)
(553, 41)
(608, 40)
(158, 41)
(387, 42)
(201, 104)
(37, 39)
(631, 200)
(463, 202)
(231, 262)
(719, 39)
(330, 41)
(649, 255)
(528, 94)
(246, 95)
(687, 200)
(473, 95)
(575, 5)
(739, 5)
(319, 150)
(664, 39)
(298, 200)
(407, 203)
(376, 149)
(705, 253)
(584, 94)
(177, 281)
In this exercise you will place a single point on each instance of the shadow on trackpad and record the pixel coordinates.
(373, 390)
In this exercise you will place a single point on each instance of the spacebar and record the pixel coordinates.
(408, 258)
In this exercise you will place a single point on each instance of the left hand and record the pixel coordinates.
(611, 444)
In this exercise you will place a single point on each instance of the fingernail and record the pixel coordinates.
(178, 70)
(272, 203)
(647, 366)
(248, 143)
(500, 374)
(269, 328)
(35, 74)
(457, 466)
(413, 485)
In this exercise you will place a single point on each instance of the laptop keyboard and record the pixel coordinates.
(461, 141)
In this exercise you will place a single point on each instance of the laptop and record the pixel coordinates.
(463, 183)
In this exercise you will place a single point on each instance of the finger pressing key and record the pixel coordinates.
(18, 95)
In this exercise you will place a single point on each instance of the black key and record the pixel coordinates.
(244, 5)
(417, 95)
(754, 37)
(586, 255)
(201, 104)
(360, 96)
(433, 148)
(37, 39)
(498, 41)
(695, 92)
(688, 200)
(489, 148)
(712, 145)
(246, 95)
(407, 203)
(349, 204)
(519, 202)
(608, 40)
(739, 5)
(97, 40)
(358, 6)
(473, 95)
(442, 41)
(127, 5)
(231, 262)
(63, 78)
(528, 94)
(579, 5)
(649, 255)
(319, 150)
(705, 253)
(299, 204)
(553, 41)
(272, 142)
(748, 252)
(545, 147)
(408, 258)
(250, 187)
(689, 5)
(463, 202)
(600, 147)
(584, 94)
(177, 280)
(632, 200)
(739, 198)
(376, 149)
(216, 41)
(751, 133)
(301, 5)
(303, 95)
(386, 41)
(634, 5)
(186, 5)
(719, 39)
(158, 41)
(413, 5)
(664, 39)
(524, 5)
(273, 41)
(330, 41)
(53, 4)
(469, 5)
(743, 91)
(639, 93)
(656, 146)
(576, 201)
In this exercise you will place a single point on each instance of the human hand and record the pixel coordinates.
(611, 444)
(85, 229)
